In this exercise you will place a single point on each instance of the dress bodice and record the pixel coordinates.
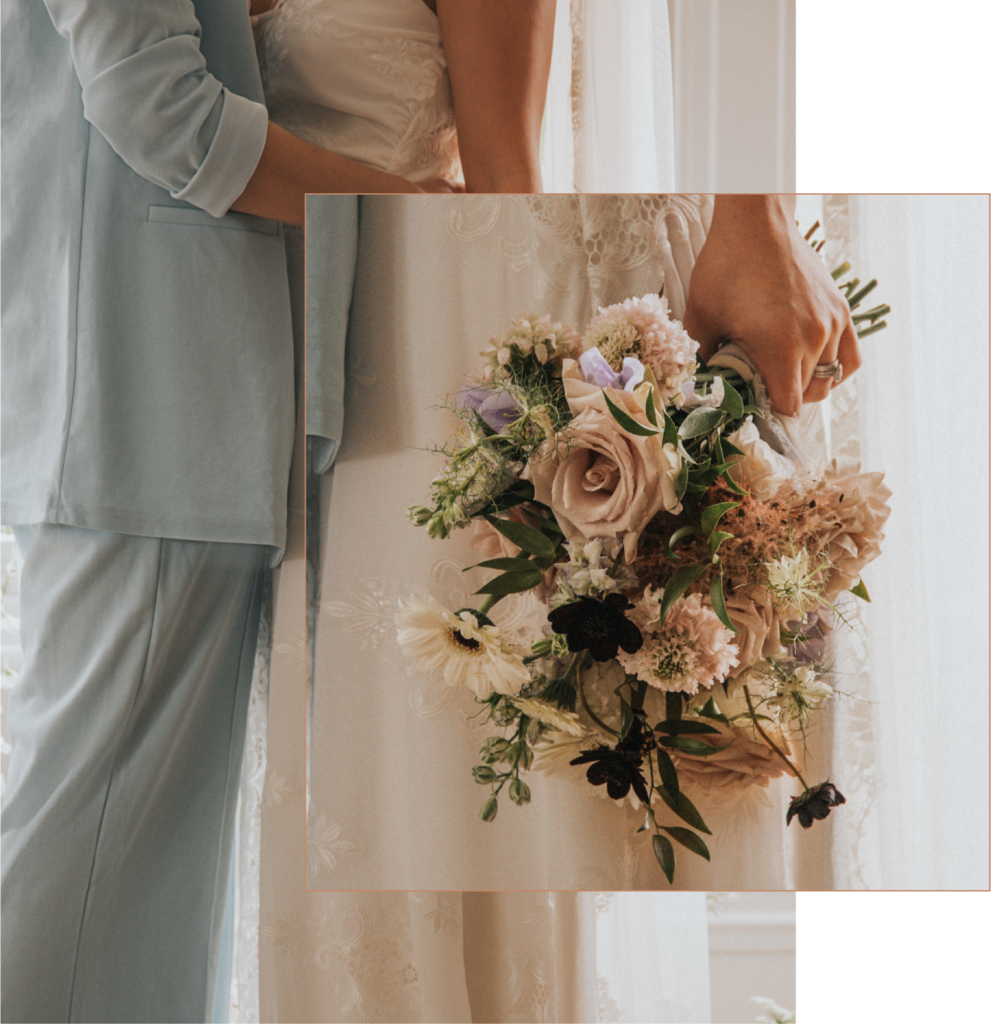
(364, 78)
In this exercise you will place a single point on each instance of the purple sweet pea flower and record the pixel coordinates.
(498, 409)
(597, 371)
(632, 373)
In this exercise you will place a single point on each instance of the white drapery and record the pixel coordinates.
(659, 95)
(909, 748)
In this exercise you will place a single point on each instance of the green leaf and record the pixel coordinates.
(711, 711)
(730, 449)
(688, 839)
(732, 403)
(505, 564)
(684, 726)
(649, 408)
(674, 704)
(861, 591)
(716, 538)
(684, 808)
(625, 719)
(670, 431)
(628, 423)
(712, 515)
(667, 770)
(732, 484)
(681, 484)
(664, 852)
(512, 583)
(686, 745)
(680, 534)
(718, 604)
(524, 537)
(699, 422)
(680, 581)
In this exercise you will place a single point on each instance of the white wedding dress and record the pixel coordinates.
(367, 78)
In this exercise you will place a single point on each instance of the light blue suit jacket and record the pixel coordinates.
(147, 357)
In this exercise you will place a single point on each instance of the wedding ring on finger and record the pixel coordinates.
(832, 370)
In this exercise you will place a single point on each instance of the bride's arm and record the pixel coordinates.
(290, 167)
(499, 56)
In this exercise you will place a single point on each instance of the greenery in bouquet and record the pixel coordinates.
(688, 563)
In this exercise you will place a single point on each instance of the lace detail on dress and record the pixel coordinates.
(626, 243)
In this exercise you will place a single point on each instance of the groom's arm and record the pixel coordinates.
(146, 89)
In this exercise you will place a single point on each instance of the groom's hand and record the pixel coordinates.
(759, 283)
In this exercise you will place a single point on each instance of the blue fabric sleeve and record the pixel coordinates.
(146, 89)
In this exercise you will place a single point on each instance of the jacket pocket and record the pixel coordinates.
(201, 219)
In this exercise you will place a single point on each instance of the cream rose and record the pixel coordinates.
(761, 470)
(601, 481)
(753, 614)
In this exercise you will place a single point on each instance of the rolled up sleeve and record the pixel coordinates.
(146, 89)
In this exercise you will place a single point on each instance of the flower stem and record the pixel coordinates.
(487, 604)
(591, 714)
(767, 739)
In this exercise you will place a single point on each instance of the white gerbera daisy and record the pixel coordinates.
(468, 654)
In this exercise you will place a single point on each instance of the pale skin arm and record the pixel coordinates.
(759, 283)
(498, 56)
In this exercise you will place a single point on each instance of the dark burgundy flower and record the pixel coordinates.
(618, 768)
(814, 804)
(598, 626)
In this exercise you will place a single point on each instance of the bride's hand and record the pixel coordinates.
(439, 185)
(759, 283)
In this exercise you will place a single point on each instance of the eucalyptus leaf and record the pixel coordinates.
(861, 591)
(689, 746)
(681, 484)
(680, 534)
(711, 711)
(688, 839)
(684, 808)
(627, 422)
(686, 726)
(712, 515)
(670, 431)
(667, 770)
(716, 538)
(732, 402)
(664, 852)
(525, 537)
(649, 408)
(719, 604)
(680, 581)
(504, 564)
(699, 422)
(512, 583)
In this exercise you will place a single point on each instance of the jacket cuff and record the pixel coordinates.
(232, 157)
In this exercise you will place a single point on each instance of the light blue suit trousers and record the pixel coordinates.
(127, 728)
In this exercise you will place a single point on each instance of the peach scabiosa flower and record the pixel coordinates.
(691, 651)
(468, 652)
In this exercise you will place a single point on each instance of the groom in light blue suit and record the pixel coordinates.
(148, 415)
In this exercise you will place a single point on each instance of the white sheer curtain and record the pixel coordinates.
(910, 747)
(659, 95)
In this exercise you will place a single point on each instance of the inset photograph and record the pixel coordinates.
(622, 575)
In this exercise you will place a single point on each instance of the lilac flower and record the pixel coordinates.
(498, 409)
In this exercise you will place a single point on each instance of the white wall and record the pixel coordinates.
(751, 953)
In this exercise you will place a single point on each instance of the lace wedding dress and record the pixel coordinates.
(367, 78)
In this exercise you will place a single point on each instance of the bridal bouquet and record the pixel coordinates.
(687, 563)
